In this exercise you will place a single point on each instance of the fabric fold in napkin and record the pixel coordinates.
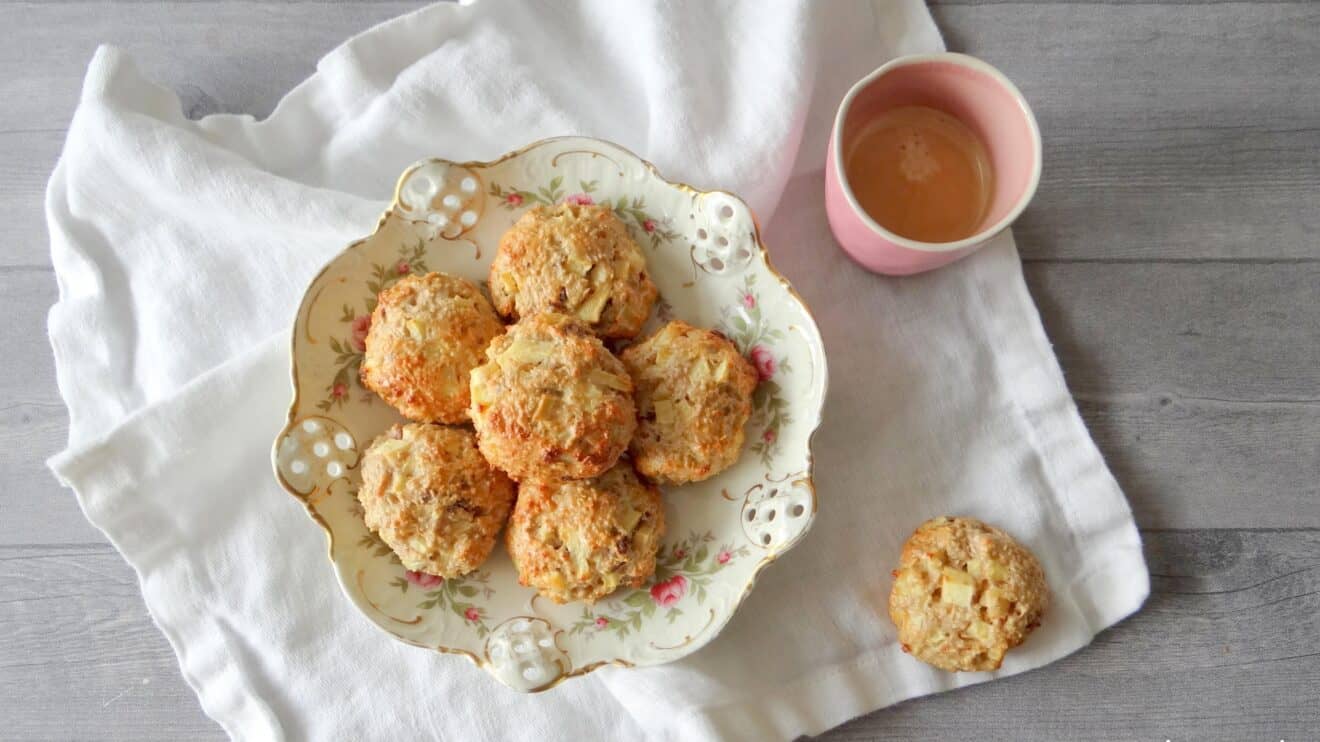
(182, 248)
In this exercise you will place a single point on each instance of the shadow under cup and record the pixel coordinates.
(971, 91)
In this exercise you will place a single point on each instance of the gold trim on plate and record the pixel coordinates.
(554, 161)
(363, 589)
(475, 165)
(688, 639)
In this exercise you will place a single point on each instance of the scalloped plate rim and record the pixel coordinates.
(816, 349)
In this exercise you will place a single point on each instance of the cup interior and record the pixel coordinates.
(973, 93)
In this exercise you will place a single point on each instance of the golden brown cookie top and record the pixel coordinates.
(694, 396)
(574, 260)
(552, 402)
(429, 495)
(965, 593)
(583, 539)
(427, 333)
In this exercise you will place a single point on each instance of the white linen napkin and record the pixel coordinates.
(182, 247)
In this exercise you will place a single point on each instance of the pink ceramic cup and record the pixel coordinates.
(976, 94)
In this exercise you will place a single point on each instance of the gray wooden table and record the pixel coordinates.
(1172, 250)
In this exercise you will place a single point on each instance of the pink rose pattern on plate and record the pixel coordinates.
(683, 572)
(684, 568)
(349, 350)
(763, 361)
(360, 326)
(645, 228)
(422, 579)
(747, 328)
(670, 591)
(453, 595)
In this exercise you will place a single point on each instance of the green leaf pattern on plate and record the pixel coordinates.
(349, 349)
(645, 227)
(745, 325)
(455, 594)
(682, 574)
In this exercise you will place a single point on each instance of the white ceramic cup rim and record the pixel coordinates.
(965, 61)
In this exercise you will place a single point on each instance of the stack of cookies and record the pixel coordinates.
(567, 441)
(538, 424)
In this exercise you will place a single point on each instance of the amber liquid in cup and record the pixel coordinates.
(921, 174)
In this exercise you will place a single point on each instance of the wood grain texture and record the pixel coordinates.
(1203, 110)
(1185, 131)
(82, 659)
(1224, 649)
(1172, 252)
(1199, 381)
(232, 57)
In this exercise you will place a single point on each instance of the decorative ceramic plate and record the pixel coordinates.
(705, 254)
